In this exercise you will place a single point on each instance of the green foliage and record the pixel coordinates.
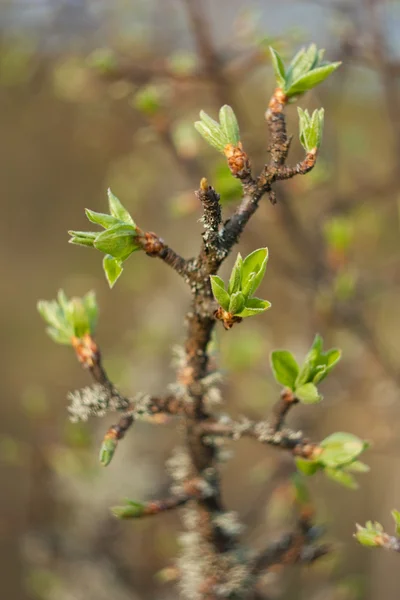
(305, 71)
(302, 380)
(219, 135)
(338, 458)
(310, 128)
(245, 278)
(396, 517)
(131, 510)
(118, 241)
(69, 318)
(107, 451)
(149, 99)
(370, 535)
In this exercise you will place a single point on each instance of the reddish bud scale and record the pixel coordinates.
(86, 350)
(237, 158)
(227, 318)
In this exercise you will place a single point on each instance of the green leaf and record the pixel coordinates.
(118, 241)
(307, 467)
(132, 510)
(211, 136)
(59, 336)
(284, 368)
(367, 536)
(236, 275)
(357, 467)
(340, 449)
(236, 303)
(82, 238)
(229, 125)
(302, 63)
(112, 269)
(396, 517)
(311, 79)
(308, 394)
(107, 451)
(254, 306)
(279, 68)
(101, 218)
(117, 210)
(79, 317)
(220, 294)
(256, 263)
(310, 128)
(341, 477)
(327, 361)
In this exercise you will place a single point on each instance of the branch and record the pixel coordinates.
(264, 432)
(155, 246)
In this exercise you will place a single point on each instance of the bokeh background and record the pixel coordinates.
(96, 94)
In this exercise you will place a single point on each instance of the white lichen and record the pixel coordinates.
(87, 402)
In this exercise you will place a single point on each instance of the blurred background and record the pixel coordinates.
(96, 94)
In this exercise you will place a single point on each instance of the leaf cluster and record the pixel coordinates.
(246, 276)
(305, 71)
(303, 380)
(69, 318)
(219, 135)
(118, 240)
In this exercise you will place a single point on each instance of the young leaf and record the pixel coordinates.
(58, 336)
(92, 309)
(236, 275)
(357, 467)
(302, 63)
(210, 136)
(119, 241)
(229, 125)
(117, 210)
(101, 218)
(284, 367)
(307, 467)
(341, 477)
(107, 451)
(112, 269)
(254, 306)
(279, 68)
(311, 79)
(131, 510)
(236, 303)
(220, 294)
(256, 263)
(82, 238)
(396, 517)
(340, 449)
(368, 536)
(308, 394)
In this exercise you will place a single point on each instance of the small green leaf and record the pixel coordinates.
(308, 394)
(302, 63)
(307, 467)
(367, 536)
(107, 451)
(310, 128)
(311, 79)
(58, 336)
(236, 275)
(117, 210)
(340, 449)
(341, 477)
(254, 306)
(210, 135)
(396, 517)
(101, 218)
(82, 238)
(132, 510)
(256, 263)
(229, 125)
(220, 294)
(236, 303)
(357, 467)
(284, 367)
(112, 269)
(118, 241)
(279, 68)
